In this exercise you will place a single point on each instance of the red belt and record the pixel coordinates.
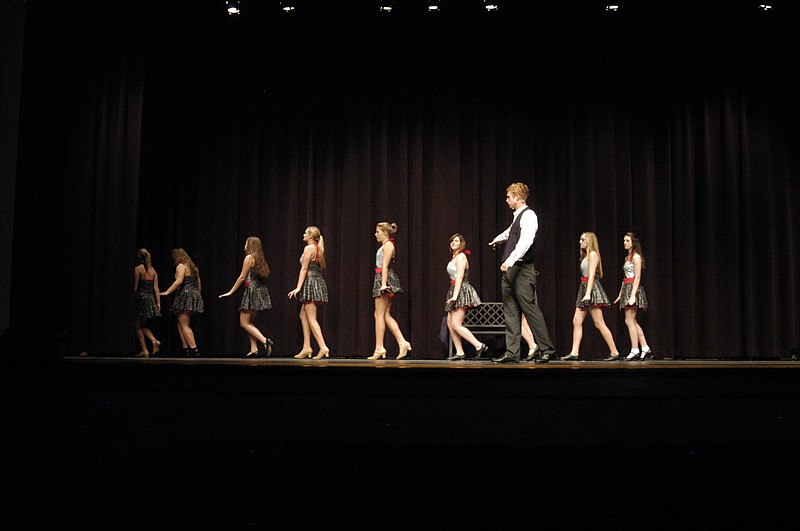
(584, 279)
(628, 280)
(247, 283)
(452, 282)
(379, 270)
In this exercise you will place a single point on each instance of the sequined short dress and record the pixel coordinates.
(314, 287)
(392, 280)
(627, 287)
(256, 295)
(598, 297)
(145, 306)
(467, 295)
(188, 298)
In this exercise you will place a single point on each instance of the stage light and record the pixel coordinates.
(612, 7)
(385, 7)
(765, 7)
(491, 6)
(433, 6)
(233, 7)
(287, 7)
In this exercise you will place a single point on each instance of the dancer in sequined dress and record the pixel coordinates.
(591, 298)
(385, 286)
(632, 297)
(311, 291)
(188, 301)
(256, 298)
(148, 302)
(460, 297)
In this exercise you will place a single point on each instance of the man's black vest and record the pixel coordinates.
(513, 238)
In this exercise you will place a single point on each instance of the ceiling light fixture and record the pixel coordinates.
(233, 7)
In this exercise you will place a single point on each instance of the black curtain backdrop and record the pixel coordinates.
(179, 126)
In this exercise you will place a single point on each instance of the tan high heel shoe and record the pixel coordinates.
(404, 348)
(323, 353)
(305, 353)
(378, 354)
(156, 347)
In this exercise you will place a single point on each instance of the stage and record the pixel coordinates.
(225, 442)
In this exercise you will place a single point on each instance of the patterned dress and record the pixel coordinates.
(314, 287)
(467, 296)
(256, 294)
(598, 296)
(627, 288)
(392, 280)
(188, 298)
(145, 306)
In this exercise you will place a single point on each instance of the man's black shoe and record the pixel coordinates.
(505, 358)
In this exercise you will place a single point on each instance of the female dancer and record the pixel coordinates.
(632, 297)
(188, 301)
(256, 295)
(384, 287)
(461, 297)
(311, 290)
(591, 298)
(148, 302)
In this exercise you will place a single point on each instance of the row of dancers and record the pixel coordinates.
(523, 317)
(311, 291)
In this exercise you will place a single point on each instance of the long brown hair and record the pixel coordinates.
(179, 256)
(636, 247)
(143, 257)
(463, 242)
(253, 247)
(592, 245)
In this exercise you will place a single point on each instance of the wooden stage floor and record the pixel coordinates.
(227, 442)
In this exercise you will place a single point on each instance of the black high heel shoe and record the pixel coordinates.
(268, 344)
(251, 355)
(647, 355)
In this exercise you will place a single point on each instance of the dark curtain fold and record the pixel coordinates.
(688, 139)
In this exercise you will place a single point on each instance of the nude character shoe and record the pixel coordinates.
(323, 353)
(305, 353)
(378, 354)
(404, 348)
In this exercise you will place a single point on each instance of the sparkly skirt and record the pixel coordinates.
(145, 306)
(314, 287)
(188, 300)
(255, 297)
(467, 297)
(641, 298)
(392, 281)
(598, 296)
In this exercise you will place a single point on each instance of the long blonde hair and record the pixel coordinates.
(316, 235)
(253, 247)
(592, 245)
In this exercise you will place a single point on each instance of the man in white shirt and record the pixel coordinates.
(519, 279)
